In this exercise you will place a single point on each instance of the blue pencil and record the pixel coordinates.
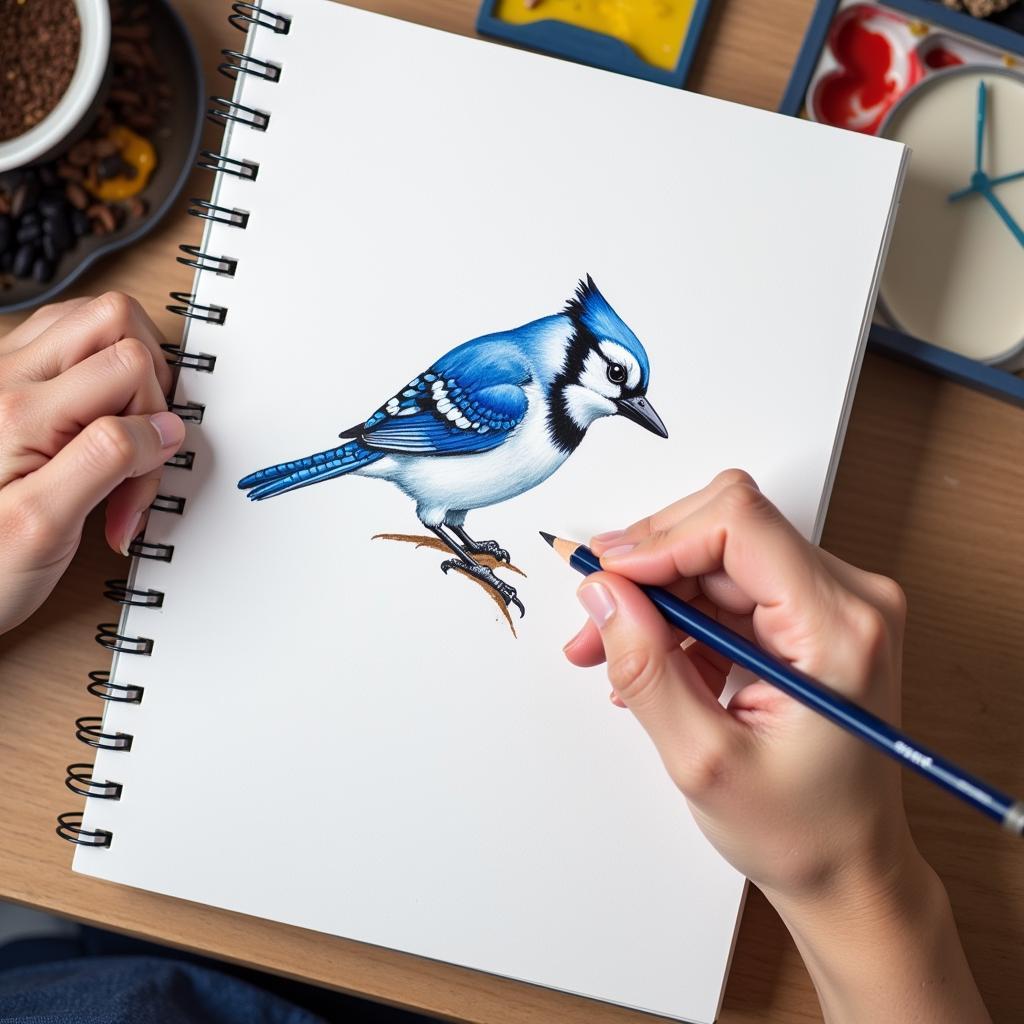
(818, 697)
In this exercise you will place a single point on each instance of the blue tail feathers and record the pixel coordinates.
(287, 476)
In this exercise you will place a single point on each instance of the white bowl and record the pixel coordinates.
(72, 107)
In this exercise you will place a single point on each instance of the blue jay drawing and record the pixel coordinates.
(487, 421)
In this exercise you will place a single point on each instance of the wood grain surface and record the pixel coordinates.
(930, 491)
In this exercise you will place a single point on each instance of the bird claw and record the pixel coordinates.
(489, 547)
(488, 578)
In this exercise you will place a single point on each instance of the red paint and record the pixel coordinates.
(939, 57)
(871, 76)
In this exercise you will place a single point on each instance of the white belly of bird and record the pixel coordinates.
(442, 483)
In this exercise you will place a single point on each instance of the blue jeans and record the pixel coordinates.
(101, 978)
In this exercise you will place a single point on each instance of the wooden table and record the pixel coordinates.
(930, 491)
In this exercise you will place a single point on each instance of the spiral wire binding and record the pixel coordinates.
(79, 780)
(228, 110)
(199, 260)
(69, 827)
(181, 460)
(89, 728)
(108, 636)
(190, 412)
(101, 686)
(206, 210)
(186, 305)
(238, 63)
(172, 504)
(191, 360)
(119, 592)
(251, 14)
(209, 160)
(140, 548)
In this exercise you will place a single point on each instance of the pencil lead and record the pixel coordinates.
(548, 537)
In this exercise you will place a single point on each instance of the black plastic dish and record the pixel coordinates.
(176, 154)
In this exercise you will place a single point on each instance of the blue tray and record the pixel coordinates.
(988, 379)
(594, 48)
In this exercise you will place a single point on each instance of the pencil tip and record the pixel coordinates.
(548, 537)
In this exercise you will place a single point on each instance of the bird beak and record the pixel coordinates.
(639, 410)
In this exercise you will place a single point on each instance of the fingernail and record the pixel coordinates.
(131, 532)
(608, 538)
(169, 428)
(616, 552)
(597, 601)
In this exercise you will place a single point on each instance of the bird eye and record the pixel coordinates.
(617, 373)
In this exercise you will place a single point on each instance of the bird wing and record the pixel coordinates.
(469, 401)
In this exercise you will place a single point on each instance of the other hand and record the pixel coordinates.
(83, 417)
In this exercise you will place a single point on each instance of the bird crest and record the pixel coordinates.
(589, 309)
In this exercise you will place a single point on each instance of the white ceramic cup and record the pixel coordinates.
(93, 54)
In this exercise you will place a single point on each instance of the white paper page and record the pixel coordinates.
(336, 735)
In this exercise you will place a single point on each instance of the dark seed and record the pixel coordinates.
(140, 122)
(50, 250)
(29, 217)
(24, 197)
(6, 232)
(23, 260)
(126, 52)
(126, 97)
(109, 167)
(52, 206)
(48, 175)
(80, 223)
(42, 270)
(6, 261)
(30, 232)
(102, 217)
(77, 195)
(60, 230)
(80, 153)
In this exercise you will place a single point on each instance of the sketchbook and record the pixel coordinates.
(450, 294)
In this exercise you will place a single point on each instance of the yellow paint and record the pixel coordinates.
(134, 150)
(655, 29)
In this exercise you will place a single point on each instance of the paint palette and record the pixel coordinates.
(873, 55)
(651, 39)
(919, 73)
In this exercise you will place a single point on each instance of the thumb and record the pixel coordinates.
(109, 450)
(656, 680)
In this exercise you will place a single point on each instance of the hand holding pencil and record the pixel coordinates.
(809, 813)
